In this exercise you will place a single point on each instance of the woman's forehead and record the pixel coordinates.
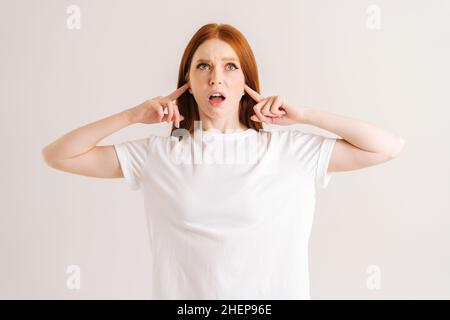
(215, 50)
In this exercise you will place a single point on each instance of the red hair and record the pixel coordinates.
(186, 102)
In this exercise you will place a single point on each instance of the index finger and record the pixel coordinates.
(255, 95)
(178, 92)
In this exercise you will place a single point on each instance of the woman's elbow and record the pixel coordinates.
(46, 157)
(400, 143)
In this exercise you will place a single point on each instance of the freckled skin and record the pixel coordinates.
(225, 76)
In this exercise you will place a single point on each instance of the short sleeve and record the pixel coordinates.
(322, 175)
(132, 156)
(313, 152)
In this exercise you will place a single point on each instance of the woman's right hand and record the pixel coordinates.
(158, 109)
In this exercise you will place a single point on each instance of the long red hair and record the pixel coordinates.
(186, 103)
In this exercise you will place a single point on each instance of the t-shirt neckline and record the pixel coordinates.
(227, 135)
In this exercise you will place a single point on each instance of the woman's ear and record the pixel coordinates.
(187, 80)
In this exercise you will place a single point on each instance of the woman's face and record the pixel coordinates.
(215, 66)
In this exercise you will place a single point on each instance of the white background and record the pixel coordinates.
(320, 54)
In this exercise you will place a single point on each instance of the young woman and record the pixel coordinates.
(230, 211)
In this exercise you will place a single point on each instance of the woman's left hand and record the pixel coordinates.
(274, 110)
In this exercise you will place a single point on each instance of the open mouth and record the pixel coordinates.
(216, 99)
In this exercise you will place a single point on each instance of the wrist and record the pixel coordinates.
(305, 115)
(127, 116)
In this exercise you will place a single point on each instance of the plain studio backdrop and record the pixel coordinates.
(379, 233)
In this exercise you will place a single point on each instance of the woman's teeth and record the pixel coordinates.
(216, 100)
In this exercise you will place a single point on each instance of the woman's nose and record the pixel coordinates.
(215, 82)
(216, 78)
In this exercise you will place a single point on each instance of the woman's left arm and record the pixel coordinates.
(360, 134)
(362, 144)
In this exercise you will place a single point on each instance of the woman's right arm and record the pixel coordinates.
(77, 151)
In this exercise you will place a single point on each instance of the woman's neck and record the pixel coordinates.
(224, 128)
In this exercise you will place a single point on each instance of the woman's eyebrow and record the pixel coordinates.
(223, 59)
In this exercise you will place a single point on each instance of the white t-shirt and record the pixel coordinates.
(229, 215)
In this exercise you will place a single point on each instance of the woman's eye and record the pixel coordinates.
(232, 64)
(204, 64)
